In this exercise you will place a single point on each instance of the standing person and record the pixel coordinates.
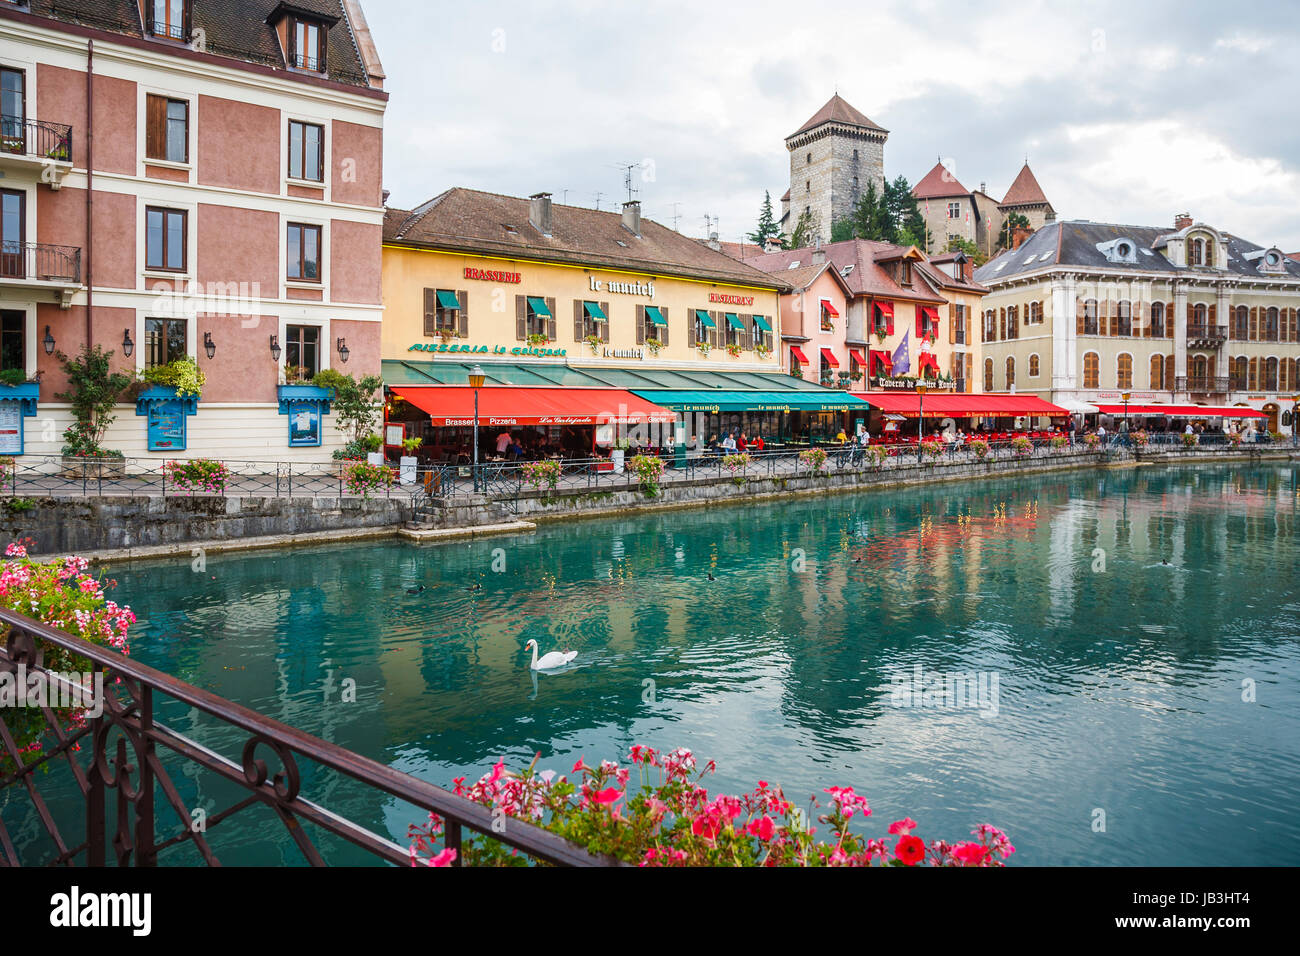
(1101, 432)
(1071, 435)
(503, 442)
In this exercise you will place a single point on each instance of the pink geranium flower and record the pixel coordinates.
(902, 827)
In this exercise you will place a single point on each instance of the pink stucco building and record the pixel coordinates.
(190, 178)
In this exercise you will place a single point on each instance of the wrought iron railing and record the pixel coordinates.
(1203, 384)
(1206, 336)
(36, 138)
(40, 261)
(129, 757)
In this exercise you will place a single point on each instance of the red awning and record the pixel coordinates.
(928, 358)
(959, 405)
(829, 358)
(881, 358)
(931, 312)
(1185, 411)
(830, 309)
(857, 357)
(505, 405)
(886, 309)
(799, 356)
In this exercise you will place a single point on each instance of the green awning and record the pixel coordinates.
(538, 305)
(448, 300)
(824, 400)
(733, 320)
(762, 323)
(593, 311)
(655, 316)
(706, 320)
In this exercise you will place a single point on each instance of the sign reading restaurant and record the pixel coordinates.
(727, 299)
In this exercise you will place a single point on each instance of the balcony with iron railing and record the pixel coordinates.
(1203, 384)
(36, 145)
(28, 266)
(1204, 336)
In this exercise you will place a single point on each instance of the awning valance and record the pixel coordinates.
(538, 305)
(830, 310)
(454, 405)
(886, 309)
(593, 311)
(655, 316)
(820, 400)
(1184, 411)
(762, 323)
(962, 405)
(448, 299)
(733, 320)
(829, 358)
(706, 320)
(799, 356)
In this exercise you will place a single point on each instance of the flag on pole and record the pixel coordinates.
(902, 360)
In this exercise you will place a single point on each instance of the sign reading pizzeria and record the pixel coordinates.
(727, 298)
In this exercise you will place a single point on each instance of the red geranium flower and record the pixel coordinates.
(910, 850)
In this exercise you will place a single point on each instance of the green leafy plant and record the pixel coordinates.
(649, 471)
(182, 374)
(362, 478)
(13, 376)
(93, 391)
(19, 505)
(6, 465)
(1057, 442)
(538, 338)
(796, 372)
(736, 465)
(539, 473)
(356, 412)
(704, 348)
(1188, 440)
(411, 445)
(762, 351)
(593, 342)
(814, 458)
(653, 346)
(198, 475)
(980, 447)
(295, 373)
(1021, 445)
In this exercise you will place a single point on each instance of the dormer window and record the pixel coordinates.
(308, 52)
(169, 19)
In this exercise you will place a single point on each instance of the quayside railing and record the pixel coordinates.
(125, 758)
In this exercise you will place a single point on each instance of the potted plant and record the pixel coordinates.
(618, 453)
(1140, 438)
(1021, 446)
(374, 446)
(295, 373)
(980, 447)
(733, 349)
(446, 333)
(407, 464)
(539, 473)
(762, 351)
(1057, 442)
(814, 458)
(356, 412)
(197, 475)
(593, 343)
(537, 338)
(881, 334)
(796, 372)
(653, 346)
(93, 391)
(931, 450)
(649, 471)
(737, 463)
(363, 477)
(1188, 440)
(704, 348)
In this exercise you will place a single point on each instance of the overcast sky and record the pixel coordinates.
(1128, 111)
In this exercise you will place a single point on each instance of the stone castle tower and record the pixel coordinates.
(833, 157)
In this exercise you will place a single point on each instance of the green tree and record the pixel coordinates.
(805, 230)
(93, 391)
(903, 215)
(356, 412)
(767, 227)
(842, 230)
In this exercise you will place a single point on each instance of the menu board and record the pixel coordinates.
(167, 425)
(11, 427)
(304, 423)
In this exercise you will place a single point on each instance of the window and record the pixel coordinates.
(1091, 370)
(535, 318)
(165, 239)
(1270, 325)
(302, 348)
(13, 233)
(164, 341)
(1124, 371)
(1011, 372)
(1237, 372)
(1270, 375)
(1197, 252)
(1241, 329)
(990, 327)
(807, 185)
(1157, 372)
(808, 160)
(1013, 322)
(1199, 324)
(988, 375)
(306, 151)
(304, 252)
(13, 339)
(1033, 365)
(167, 129)
(1090, 318)
(959, 326)
(441, 311)
(167, 18)
(1125, 326)
(13, 110)
(700, 328)
(308, 45)
(762, 336)
(1157, 320)
(827, 317)
(954, 210)
(731, 335)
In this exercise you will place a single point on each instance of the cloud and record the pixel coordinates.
(1127, 111)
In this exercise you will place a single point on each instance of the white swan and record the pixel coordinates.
(549, 661)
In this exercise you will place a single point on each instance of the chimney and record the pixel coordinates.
(632, 217)
(539, 212)
(818, 256)
(968, 270)
(1018, 235)
(984, 188)
(713, 242)
(772, 244)
(1182, 220)
(387, 193)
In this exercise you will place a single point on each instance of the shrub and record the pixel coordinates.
(669, 819)
(1092, 440)
(931, 450)
(1188, 440)
(1021, 445)
(61, 594)
(361, 477)
(356, 413)
(980, 447)
(182, 374)
(93, 391)
(538, 473)
(202, 475)
(1057, 441)
(13, 376)
(814, 458)
(737, 463)
(1140, 438)
(649, 471)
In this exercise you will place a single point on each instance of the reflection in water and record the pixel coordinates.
(1121, 679)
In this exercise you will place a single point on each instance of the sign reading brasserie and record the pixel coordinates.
(491, 275)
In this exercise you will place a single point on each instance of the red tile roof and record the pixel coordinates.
(866, 278)
(1024, 190)
(939, 183)
(837, 110)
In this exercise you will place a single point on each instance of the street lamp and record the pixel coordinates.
(920, 417)
(344, 351)
(209, 346)
(1126, 396)
(476, 378)
(48, 342)
(127, 345)
(275, 348)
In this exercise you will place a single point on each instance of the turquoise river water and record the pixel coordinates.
(1133, 712)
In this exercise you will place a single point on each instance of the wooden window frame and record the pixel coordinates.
(167, 212)
(301, 343)
(147, 356)
(320, 252)
(156, 139)
(302, 150)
